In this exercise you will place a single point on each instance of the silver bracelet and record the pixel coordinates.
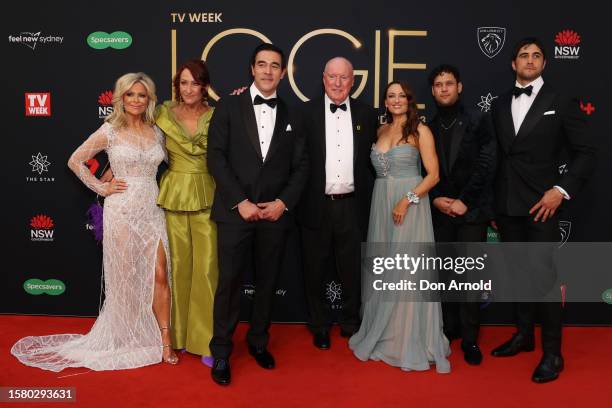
(412, 197)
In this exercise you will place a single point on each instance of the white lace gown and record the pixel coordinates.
(126, 333)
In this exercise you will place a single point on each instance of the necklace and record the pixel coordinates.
(449, 126)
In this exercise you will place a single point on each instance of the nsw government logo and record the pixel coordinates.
(491, 40)
(100, 40)
(567, 45)
(38, 104)
(41, 228)
(105, 104)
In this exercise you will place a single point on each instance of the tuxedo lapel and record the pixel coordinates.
(541, 103)
(456, 138)
(507, 134)
(250, 123)
(280, 126)
(319, 125)
(356, 119)
(435, 127)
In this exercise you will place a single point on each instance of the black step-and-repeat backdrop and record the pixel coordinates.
(61, 59)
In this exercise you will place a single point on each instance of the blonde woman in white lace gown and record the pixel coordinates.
(132, 329)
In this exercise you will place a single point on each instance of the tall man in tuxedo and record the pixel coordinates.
(533, 123)
(462, 202)
(334, 209)
(257, 160)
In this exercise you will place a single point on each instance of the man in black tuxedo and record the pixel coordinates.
(462, 202)
(334, 209)
(258, 161)
(534, 123)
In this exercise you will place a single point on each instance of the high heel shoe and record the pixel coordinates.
(172, 358)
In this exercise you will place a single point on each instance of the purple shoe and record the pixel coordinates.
(208, 361)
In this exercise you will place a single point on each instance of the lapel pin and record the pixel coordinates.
(358, 127)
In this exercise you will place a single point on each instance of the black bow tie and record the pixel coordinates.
(270, 102)
(518, 91)
(333, 107)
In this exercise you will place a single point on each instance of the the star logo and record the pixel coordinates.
(485, 102)
(333, 292)
(39, 163)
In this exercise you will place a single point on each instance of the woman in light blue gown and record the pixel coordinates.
(401, 329)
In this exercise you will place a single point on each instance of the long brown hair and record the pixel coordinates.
(410, 128)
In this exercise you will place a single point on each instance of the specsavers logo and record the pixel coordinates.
(101, 40)
(51, 287)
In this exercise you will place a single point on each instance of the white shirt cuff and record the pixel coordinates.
(565, 195)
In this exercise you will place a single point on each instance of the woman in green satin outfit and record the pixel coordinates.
(186, 192)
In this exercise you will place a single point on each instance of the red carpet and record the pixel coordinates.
(307, 377)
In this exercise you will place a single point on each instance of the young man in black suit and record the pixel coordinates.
(462, 202)
(334, 209)
(533, 124)
(257, 158)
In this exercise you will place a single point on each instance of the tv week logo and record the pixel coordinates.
(38, 104)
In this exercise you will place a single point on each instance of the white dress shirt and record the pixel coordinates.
(521, 105)
(338, 149)
(266, 118)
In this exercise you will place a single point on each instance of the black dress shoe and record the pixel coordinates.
(262, 356)
(549, 368)
(471, 353)
(347, 332)
(220, 371)
(515, 345)
(321, 340)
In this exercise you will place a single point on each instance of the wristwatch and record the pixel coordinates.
(412, 197)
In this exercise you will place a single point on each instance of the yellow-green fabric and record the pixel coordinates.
(186, 185)
(193, 255)
(186, 193)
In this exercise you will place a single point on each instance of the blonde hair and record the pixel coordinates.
(123, 84)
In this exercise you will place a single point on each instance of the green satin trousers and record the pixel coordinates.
(192, 236)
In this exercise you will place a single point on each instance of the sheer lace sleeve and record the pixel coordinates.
(97, 142)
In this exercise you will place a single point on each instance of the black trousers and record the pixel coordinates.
(236, 242)
(524, 229)
(459, 318)
(336, 244)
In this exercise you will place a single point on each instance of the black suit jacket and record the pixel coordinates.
(364, 134)
(235, 159)
(469, 171)
(529, 161)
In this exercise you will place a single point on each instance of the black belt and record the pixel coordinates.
(339, 196)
